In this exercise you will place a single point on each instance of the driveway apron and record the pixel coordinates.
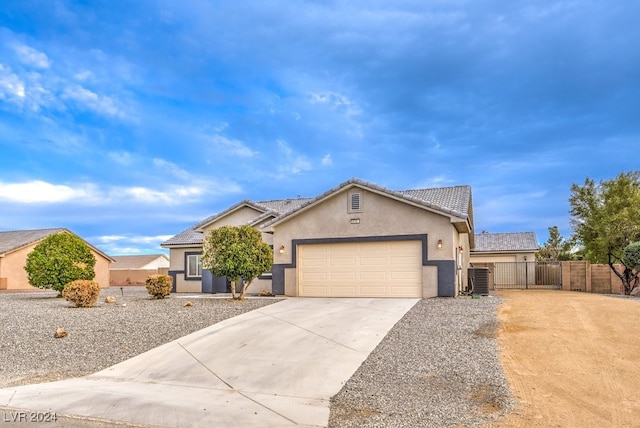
(276, 366)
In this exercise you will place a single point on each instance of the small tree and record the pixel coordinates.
(605, 219)
(237, 252)
(59, 259)
(556, 248)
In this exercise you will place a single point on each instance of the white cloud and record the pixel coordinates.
(38, 191)
(121, 158)
(292, 163)
(12, 88)
(83, 75)
(173, 195)
(30, 56)
(109, 238)
(335, 100)
(172, 168)
(327, 160)
(100, 104)
(234, 147)
(130, 244)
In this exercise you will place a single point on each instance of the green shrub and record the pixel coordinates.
(82, 293)
(159, 286)
(631, 256)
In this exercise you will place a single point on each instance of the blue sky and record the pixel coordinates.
(128, 121)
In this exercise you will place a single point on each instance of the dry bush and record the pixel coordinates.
(82, 293)
(159, 286)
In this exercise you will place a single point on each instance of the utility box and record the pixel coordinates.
(479, 279)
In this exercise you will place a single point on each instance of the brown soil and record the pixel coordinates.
(572, 359)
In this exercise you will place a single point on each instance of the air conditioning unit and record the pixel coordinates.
(479, 280)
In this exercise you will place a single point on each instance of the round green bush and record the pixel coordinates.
(82, 293)
(159, 286)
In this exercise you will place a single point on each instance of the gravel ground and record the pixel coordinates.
(437, 367)
(98, 337)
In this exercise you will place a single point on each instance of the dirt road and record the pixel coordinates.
(571, 359)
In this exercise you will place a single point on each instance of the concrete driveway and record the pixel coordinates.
(276, 366)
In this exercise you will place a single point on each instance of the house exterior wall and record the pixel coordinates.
(158, 263)
(13, 269)
(16, 278)
(380, 216)
(177, 270)
(177, 267)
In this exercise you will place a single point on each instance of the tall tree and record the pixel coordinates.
(237, 252)
(58, 260)
(606, 218)
(556, 248)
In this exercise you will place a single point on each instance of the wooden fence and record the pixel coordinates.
(590, 278)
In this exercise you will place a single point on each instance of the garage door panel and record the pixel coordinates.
(345, 277)
(365, 269)
(373, 261)
(374, 276)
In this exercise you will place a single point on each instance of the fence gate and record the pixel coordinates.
(527, 275)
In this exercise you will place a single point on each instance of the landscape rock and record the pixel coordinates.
(110, 299)
(60, 332)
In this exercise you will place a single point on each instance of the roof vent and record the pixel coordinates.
(355, 202)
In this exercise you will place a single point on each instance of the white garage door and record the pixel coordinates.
(360, 269)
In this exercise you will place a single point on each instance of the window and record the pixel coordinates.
(194, 266)
(355, 202)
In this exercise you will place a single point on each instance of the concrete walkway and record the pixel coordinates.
(277, 366)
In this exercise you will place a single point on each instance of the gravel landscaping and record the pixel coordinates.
(98, 337)
(437, 367)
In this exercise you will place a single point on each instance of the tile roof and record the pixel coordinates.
(514, 241)
(16, 239)
(455, 200)
(276, 207)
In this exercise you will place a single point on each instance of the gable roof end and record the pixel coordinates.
(11, 241)
(454, 201)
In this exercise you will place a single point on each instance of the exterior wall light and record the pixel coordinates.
(355, 221)
(281, 249)
(439, 244)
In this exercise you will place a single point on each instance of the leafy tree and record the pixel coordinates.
(556, 248)
(237, 252)
(606, 218)
(58, 260)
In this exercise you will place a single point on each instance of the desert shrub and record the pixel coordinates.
(159, 286)
(82, 293)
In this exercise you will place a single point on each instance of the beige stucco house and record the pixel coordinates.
(357, 239)
(134, 269)
(503, 249)
(14, 247)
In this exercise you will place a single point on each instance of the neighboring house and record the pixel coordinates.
(357, 239)
(14, 247)
(504, 247)
(508, 250)
(134, 270)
